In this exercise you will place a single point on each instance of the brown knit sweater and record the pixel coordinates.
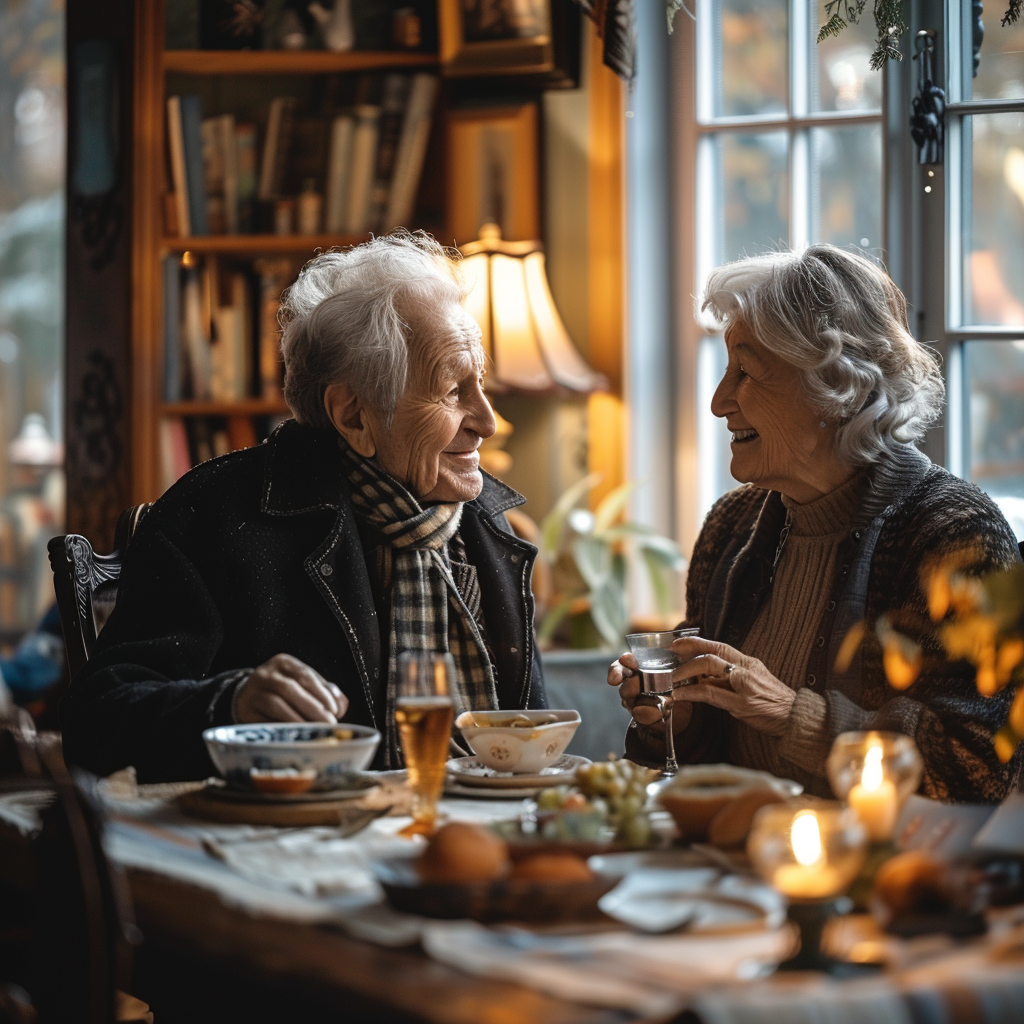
(909, 513)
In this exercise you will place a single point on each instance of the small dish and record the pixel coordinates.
(454, 788)
(354, 787)
(336, 753)
(505, 899)
(472, 771)
(522, 742)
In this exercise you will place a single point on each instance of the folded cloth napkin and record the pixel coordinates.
(642, 974)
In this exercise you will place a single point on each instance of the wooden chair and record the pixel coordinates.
(86, 584)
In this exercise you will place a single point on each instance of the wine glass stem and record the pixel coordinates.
(671, 766)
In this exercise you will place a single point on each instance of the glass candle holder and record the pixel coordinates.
(874, 772)
(810, 851)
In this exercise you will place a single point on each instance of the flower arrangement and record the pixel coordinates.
(588, 555)
(979, 620)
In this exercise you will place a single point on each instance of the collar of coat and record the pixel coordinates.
(305, 471)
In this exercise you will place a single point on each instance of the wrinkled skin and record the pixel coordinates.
(431, 445)
(779, 444)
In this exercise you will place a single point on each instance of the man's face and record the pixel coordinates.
(443, 415)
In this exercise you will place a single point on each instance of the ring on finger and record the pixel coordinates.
(729, 669)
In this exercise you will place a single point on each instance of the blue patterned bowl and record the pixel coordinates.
(334, 752)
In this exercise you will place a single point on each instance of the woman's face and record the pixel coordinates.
(440, 420)
(777, 439)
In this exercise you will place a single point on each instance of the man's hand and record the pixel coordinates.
(285, 689)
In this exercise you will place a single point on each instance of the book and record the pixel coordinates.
(275, 147)
(339, 165)
(192, 138)
(200, 439)
(241, 433)
(245, 163)
(364, 154)
(213, 175)
(172, 328)
(392, 106)
(175, 460)
(274, 277)
(179, 182)
(195, 338)
(308, 153)
(412, 150)
(229, 151)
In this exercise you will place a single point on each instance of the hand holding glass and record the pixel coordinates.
(424, 712)
(657, 661)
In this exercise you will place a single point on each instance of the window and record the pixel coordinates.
(794, 142)
(31, 306)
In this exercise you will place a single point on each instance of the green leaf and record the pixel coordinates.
(611, 506)
(659, 581)
(593, 559)
(608, 610)
(552, 527)
(666, 548)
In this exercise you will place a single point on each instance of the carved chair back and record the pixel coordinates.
(86, 584)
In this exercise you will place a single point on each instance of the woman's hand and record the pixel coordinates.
(285, 689)
(717, 674)
(625, 674)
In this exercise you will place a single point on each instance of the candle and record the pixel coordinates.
(811, 877)
(874, 798)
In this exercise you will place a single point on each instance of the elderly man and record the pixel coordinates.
(362, 528)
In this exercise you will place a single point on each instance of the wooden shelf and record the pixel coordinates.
(257, 244)
(291, 62)
(237, 407)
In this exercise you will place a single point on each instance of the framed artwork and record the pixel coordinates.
(494, 171)
(496, 37)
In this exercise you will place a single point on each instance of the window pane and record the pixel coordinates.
(840, 76)
(1001, 68)
(994, 212)
(847, 181)
(712, 434)
(752, 56)
(995, 382)
(754, 184)
(31, 306)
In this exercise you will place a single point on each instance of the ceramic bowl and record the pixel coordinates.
(335, 752)
(522, 742)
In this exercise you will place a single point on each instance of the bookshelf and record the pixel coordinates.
(227, 83)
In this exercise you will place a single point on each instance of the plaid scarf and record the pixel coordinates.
(430, 611)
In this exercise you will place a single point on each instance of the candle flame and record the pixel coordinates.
(806, 838)
(871, 776)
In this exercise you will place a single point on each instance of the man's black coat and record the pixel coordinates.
(254, 554)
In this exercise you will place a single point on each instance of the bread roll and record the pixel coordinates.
(730, 826)
(552, 867)
(913, 882)
(463, 852)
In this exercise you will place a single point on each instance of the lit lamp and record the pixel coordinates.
(810, 851)
(874, 772)
(528, 345)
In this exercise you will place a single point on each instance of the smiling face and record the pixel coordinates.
(443, 415)
(777, 438)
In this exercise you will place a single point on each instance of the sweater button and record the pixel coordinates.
(811, 680)
(515, 558)
(857, 534)
(514, 650)
(831, 606)
(821, 641)
(326, 570)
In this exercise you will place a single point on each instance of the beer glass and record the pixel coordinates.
(424, 711)
(657, 660)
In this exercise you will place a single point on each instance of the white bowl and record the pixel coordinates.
(524, 748)
(333, 751)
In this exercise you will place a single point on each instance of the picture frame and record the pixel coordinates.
(493, 156)
(496, 37)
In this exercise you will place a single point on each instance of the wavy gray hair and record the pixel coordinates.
(840, 319)
(347, 320)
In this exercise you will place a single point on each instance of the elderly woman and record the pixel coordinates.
(825, 394)
(279, 583)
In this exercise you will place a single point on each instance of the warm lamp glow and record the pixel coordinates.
(509, 297)
(806, 838)
(871, 776)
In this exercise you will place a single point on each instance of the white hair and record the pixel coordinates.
(346, 319)
(838, 318)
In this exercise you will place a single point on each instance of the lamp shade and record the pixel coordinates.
(509, 296)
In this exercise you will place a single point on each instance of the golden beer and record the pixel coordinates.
(424, 728)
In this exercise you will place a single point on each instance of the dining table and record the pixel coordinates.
(255, 922)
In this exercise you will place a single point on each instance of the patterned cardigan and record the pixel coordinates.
(915, 513)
